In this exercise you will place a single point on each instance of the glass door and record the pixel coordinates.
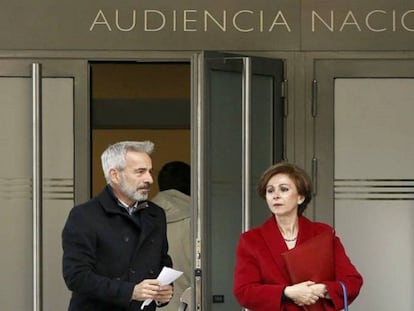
(364, 147)
(41, 118)
(240, 132)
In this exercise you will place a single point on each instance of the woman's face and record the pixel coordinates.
(282, 195)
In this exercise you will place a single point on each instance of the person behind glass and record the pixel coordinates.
(174, 181)
(115, 245)
(261, 279)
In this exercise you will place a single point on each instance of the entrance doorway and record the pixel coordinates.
(140, 101)
(221, 113)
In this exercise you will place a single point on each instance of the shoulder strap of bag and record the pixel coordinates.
(345, 295)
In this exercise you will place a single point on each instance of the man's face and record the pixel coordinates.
(134, 182)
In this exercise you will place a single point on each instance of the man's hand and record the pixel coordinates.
(151, 289)
(165, 293)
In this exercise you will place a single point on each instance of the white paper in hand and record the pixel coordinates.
(166, 276)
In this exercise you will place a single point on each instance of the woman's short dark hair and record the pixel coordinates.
(299, 176)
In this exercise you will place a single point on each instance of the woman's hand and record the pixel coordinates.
(305, 293)
(320, 290)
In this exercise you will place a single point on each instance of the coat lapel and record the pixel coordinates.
(275, 244)
(146, 222)
(108, 202)
(305, 230)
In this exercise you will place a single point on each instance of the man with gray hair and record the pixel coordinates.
(115, 245)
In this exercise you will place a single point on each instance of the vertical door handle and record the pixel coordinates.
(246, 143)
(37, 199)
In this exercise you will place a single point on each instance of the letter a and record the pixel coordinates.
(97, 21)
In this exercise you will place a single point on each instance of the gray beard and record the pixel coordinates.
(132, 193)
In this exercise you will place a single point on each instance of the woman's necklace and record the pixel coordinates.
(293, 235)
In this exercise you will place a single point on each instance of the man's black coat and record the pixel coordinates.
(106, 252)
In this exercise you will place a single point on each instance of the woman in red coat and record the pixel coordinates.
(261, 278)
